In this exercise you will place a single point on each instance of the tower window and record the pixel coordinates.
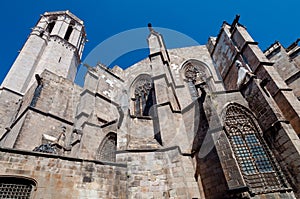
(69, 31)
(108, 147)
(16, 187)
(51, 25)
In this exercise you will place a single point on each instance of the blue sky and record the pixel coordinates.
(195, 20)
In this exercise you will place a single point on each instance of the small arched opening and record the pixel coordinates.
(107, 148)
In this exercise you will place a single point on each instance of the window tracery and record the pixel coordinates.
(194, 78)
(251, 151)
(193, 73)
(107, 150)
(144, 97)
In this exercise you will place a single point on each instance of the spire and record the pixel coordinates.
(156, 44)
(235, 22)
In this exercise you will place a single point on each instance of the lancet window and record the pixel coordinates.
(144, 96)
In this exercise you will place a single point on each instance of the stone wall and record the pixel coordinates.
(159, 174)
(59, 96)
(35, 125)
(45, 109)
(10, 102)
(64, 177)
(181, 149)
(25, 62)
(211, 174)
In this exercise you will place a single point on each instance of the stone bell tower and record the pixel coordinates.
(55, 43)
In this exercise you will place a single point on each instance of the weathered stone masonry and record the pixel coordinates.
(213, 121)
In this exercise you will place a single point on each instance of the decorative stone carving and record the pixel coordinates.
(193, 74)
(107, 149)
(143, 96)
(143, 86)
(51, 144)
(46, 148)
(255, 159)
(244, 75)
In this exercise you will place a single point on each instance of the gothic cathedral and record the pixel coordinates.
(214, 121)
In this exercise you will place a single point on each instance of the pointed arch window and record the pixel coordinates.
(258, 166)
(16, 187)
(144, 96)
(107, 149)
(194, 78)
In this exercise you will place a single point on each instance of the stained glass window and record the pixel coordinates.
(251, 151)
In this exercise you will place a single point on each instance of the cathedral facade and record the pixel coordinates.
(214, 121)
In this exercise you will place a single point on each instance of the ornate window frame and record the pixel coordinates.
(195, 73)
(142, 96)
(258, 166)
